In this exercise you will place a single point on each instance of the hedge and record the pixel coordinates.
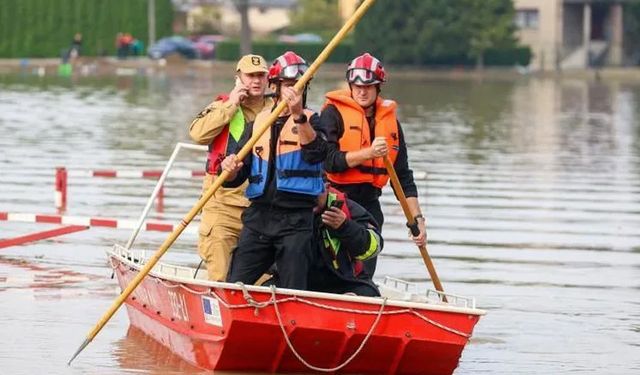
(43, 28)
(493, 57)
(230, 51)
(513, 56)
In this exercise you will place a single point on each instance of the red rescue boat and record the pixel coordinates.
(222, 326)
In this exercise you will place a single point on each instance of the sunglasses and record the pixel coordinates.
(365, 76)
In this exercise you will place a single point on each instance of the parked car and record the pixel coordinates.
(206, 45)
(173, 44)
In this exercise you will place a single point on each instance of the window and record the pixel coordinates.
(527, 18)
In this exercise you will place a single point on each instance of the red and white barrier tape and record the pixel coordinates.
(38, 236)
(125, 173)
(136, 173)
(156, 226)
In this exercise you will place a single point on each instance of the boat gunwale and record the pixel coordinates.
(119, 255)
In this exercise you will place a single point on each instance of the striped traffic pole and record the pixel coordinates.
(61, 188)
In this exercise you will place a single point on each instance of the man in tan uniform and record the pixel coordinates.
(220, 125)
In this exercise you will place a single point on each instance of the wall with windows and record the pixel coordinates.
(539, 24)
(527, 19)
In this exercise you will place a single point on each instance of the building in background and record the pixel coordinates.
(572, 34)
(346, 8)
(265, 16)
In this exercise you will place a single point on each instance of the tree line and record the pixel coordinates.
(431, 32)
(43, 28)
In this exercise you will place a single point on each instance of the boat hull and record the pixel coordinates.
(219, 326)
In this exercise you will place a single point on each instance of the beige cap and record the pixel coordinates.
(252, 64)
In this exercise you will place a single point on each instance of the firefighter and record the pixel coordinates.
(220, 126)
(362, 128)
(284, 170)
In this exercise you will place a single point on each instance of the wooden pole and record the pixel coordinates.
(257, 133)
(411, 223)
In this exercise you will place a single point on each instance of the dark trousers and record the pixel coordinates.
(376, 211)
(271, 236)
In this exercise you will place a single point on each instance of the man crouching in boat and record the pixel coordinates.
(346, 235)
(284, 170)
(220, 125)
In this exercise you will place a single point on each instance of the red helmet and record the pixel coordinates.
(365, 70)
(287, 66)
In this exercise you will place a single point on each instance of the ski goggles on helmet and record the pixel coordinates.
(293, 71)
(362, 76)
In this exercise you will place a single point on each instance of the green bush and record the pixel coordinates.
(44, 28)
(230, 50)
(492, 57)
(441, 32)
(509, 56)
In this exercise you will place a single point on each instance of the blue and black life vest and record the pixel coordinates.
(293, 174)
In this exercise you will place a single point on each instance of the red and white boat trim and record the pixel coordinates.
(233, 327)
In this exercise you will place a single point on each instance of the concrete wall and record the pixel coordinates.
(262, 21)
(572, 27)
(616, 50)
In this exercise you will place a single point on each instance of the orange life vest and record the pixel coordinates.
(357, 136)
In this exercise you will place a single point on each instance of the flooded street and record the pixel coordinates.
(531, 189)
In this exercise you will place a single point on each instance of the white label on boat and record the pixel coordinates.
(178, 306)
(144, 296)
(211, 310)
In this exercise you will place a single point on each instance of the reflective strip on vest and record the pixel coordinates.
(225, 142)
(236, 125)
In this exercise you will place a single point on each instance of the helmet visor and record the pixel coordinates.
(293, 71)
(363, 76)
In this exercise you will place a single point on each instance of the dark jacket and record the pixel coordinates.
(355, 236)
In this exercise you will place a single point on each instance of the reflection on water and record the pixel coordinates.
(532, 198)
(140, 353)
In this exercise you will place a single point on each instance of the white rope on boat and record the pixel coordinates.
(323, 369)
(441, 326)
(249, 298)
(252, 303)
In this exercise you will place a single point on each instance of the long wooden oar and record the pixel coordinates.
(413, 226)
(223, 176)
